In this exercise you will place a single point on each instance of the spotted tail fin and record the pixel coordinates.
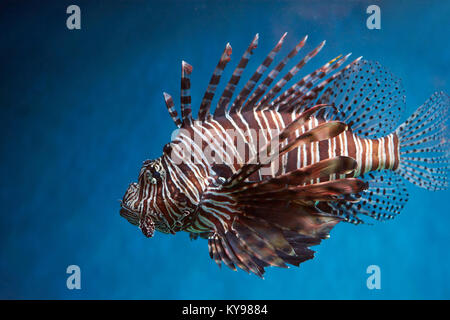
(424, 144)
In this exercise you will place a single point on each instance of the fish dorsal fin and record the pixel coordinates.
(265, 97)
(251, 92)
(205, 105)
(171, 108)
(248, 87)
(367, 97)
(264, 85)
(185, 97)
(227, 93)
(303, 86)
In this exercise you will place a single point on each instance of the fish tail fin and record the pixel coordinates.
(424, 144)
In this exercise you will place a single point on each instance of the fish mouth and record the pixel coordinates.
(147, 225)
(131, 215)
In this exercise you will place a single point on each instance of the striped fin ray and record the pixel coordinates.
(186, 111)
(234, 80)
(253, 243)
(294, 70)
(262, 88)
(290, 100)
(230, 254)
(255, 236)
(205, 105)
(248, 259)
(262, 245)
(222, 254)
(309, 78)
(271, 232)
(213, 250)
(248, 87)
(171, 108)
(313, 93)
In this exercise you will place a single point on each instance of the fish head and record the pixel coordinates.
(139, 204)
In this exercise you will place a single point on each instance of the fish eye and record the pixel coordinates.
(150, 178)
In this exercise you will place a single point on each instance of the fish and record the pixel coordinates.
(271, 170)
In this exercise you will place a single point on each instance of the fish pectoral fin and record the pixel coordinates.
(273, 233)
(251, 246)
(275, 221)
(302, 184)
(273, 151)
(227, 248)
(253, 243)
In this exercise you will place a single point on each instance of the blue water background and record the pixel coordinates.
(81, 110)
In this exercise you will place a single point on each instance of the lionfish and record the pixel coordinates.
(267, 175)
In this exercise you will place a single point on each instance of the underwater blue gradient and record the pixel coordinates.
(82, 109)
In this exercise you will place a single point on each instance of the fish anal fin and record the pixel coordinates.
(384, 199)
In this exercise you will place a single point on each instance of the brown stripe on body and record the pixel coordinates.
(364, 150)
(375, 157)
(253, 124)
(338, 146)
(243, 135)
(387, 152)
(350, 148)
(396, 152)
(232, 150)
(323, 149)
